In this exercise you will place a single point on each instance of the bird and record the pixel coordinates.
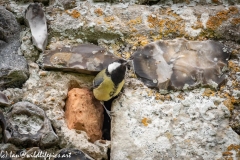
(109, 82)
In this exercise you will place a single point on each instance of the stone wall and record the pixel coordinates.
(148, 123)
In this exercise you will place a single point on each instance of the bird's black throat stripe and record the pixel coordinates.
(118, 75)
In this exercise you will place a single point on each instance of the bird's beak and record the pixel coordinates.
(125, 63)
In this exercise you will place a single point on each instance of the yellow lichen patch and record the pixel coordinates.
(180, 96)
(168, 97)
(233, 147)
(74, 13)
(153, 21)
(143, 40)
(233, 10)
(109, 18)
(145, 122)
(157, 37)
(208, 92)
(150, 92)
(215, 21)
(233, 66)
(228, 103)
(126, 55)
(168, 135)
(138, 40)
(98, 11)
(138, 20)
(235, 21)
(133, 22)
(198, 24)
(168, 26)
(158, 96)
(227, 153)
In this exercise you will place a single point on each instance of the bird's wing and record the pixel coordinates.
(97, 81)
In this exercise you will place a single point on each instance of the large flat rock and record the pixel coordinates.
(187, 127)
(83, 58)
(181, 64)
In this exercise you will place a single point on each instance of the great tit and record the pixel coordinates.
(109, 82)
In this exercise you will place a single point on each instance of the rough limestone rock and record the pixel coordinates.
(27, 125)
(36, 20)
(181, 64)
(72, 154)
(84, 58)
(84, 112)
(122, 22)
(13, 68)
(188, 126)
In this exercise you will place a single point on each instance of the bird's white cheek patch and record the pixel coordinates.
(113, 66)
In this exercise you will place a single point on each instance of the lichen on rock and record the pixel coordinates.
(148, 123)
(181, 129)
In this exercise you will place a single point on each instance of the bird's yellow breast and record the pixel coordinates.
(107, 90)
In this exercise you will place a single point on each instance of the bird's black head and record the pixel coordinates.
(116, 70)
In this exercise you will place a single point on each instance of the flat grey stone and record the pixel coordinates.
(35, 19)
(84, 58)
(181, 64)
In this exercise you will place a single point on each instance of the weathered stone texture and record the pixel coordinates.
(84, 58)
(181, 64)
(3, 99)
(36, 20)
(192, 126)
(153, 124)
(123, 21)
(13, 68)
(49, 91)
(84, 112)
(28, 125)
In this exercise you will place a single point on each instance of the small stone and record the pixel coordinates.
(28, 125)
(3, 99)
(84, 112)
(43, 73)
(36, 20)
